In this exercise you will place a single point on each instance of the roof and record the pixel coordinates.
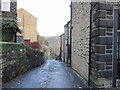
(67, 24)
(26, 12)
(62, 35)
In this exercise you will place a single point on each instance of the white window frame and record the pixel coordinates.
(7, 7)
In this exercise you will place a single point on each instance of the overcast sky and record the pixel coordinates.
(51, 15)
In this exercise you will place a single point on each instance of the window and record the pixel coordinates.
(5, 5)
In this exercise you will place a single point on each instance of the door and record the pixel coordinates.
(118, 48)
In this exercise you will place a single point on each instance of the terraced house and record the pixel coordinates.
(95, 32)
(28, 23)
(8, 9)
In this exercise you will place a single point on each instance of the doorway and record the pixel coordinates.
(116, 48)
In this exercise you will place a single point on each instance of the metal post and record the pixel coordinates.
(115, 46)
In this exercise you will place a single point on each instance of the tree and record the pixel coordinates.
(46, 43)
(9, 31)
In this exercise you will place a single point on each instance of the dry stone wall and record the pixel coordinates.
(18, 62)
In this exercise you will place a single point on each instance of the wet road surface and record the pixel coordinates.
(52, 74)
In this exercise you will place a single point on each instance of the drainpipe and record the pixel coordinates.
(71, 36)
(90, 43)
(67, 41)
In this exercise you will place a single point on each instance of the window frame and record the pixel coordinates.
(5, 7)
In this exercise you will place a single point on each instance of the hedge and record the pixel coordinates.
(8, 47)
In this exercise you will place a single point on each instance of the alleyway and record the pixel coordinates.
(53, 74)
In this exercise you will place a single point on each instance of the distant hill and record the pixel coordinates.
(54, 42)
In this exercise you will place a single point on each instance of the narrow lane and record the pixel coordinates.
(53, 74)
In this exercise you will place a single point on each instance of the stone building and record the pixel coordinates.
(67, 42)
(28, 24)
(8, 12)
(8, 9)
(95, 41)
(80, 37)
(62, 46)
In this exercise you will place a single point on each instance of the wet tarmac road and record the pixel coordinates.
(52, 74)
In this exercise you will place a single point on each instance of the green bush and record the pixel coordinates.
(9, 30)
(8, 46)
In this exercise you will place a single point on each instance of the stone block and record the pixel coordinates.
(104, 23)
(103, 6)
(4, 55)
(94, 72)
(109, 12)
(109, 34)
(108, 51)
(108, 63)
(100, 49)
(109, 46)
(105, 74)
(104, 58)
(98, 32)
(103, 41)
(109, 67)
(99, 14)
(97, 65)
(109, 17)
(100, 66)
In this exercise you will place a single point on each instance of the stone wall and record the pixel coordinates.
(67, 42)
(18, 62)
(0, 70)
(102, 43)
(80, 37)
(12, 15)
(62, 52)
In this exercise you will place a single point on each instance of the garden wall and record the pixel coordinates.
(17, 59)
